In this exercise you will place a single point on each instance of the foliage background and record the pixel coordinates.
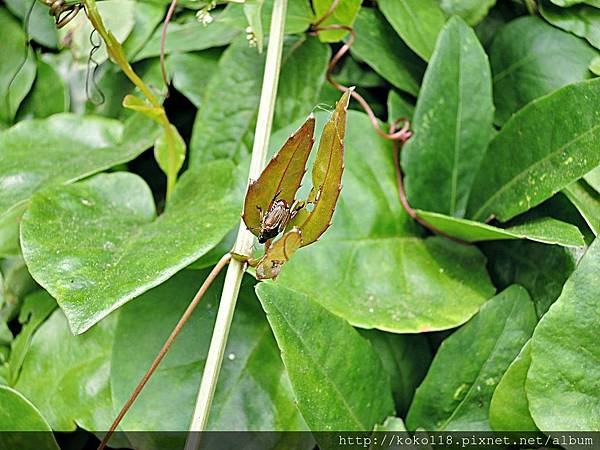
(380, 318)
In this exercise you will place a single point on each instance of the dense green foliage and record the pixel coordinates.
(379, 324)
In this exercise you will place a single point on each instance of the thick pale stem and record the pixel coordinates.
(245, 239)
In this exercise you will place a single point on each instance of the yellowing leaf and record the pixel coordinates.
(278, 254)
(327, 175)
(281, 178)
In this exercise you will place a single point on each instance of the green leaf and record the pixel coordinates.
(531, 58)
(457, 390)
(343, 14)
(67, 377)
(341, 390)
(194, 36)
(36, 309)
(253, 392)
(581, 20)
(147, 17)
(230, 106)
(169, 151)
(41, 26)
(587, 201)
(378, 45)
(541, 269)
(399, 107)
(544, 229)
(472, 11)
(18, 414)
(97, 244)
(418, 22)
(552, 151)
(191, 72)
(567, 3)
(593, 179)
(405, 358)
(60, 150)
(563, 382)
(118, 17)
(509, 408)
(452, 123)
(380, 273)
(595, 66)
(17, 67)
(48, 96)
(281, 178)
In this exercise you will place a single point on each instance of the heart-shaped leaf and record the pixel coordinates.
(341, 390)
(281, 178)
(97, 244)
(457, 390)
(452, 123)
(563, 382)
(544, 229)
(379, 272)
(61, 149)
(509, 408)
(539, 151)
(57, 361)
(253, 392)
(18, 414)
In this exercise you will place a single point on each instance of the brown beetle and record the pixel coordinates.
(274, 220)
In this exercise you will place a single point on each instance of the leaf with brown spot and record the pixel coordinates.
(327, 175)
(282, 176)
(278, 254)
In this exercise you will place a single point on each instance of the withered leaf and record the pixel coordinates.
(281, 178)
(326, 175)
(278, 254)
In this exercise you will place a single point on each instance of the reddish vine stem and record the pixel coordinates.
(163, 41)
(167, 345)
(396, 136)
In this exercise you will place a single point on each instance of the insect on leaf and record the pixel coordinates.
(326, 175)
(281, 178)
(278, 254)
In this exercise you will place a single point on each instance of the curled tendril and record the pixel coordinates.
(62, 12)
(397, 136)
(91, 73)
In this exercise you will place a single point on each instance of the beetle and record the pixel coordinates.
(276, 218)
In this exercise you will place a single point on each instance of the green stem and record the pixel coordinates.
(117, 54)
(245, 239)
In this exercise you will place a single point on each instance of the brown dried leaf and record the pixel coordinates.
(281, 178)
(278, 254)
(327, 176)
